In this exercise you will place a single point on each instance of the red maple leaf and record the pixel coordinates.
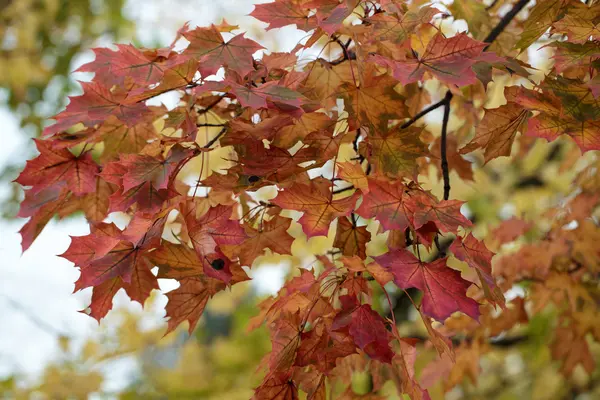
(208, 47)
(444, 291)
(59, 168)
(316, 202)
(445, 214)
(385, 202)
(448, 59)
(96, 104)
(283, 13)
(208, 232)
(366, 327)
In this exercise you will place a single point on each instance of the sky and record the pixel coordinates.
(36, 300)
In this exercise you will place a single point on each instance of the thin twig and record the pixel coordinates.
(491, 5)
(342, 190)
(202, 125)
(423, 113)
(213, 140)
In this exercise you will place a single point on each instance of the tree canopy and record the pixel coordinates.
(474, 229)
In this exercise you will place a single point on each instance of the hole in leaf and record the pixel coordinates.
(217, 264)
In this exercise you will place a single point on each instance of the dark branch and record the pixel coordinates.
(423, 113)
(342, 190)
(213, 140)
(498, 29)
(443, 145)
(209, 125)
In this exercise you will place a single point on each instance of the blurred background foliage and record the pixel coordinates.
(40, 39)
(221, 360)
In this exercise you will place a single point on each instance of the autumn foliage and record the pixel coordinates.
(360, 82)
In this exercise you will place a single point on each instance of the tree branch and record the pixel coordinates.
(493, 35)
(202, 125)
(443, 145)
(498, 29)
(342, 190)
(217, 137)
(423, 113)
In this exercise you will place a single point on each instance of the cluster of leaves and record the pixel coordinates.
(283, 123)
(40, 40)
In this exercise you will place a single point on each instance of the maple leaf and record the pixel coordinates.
(331, 19)
(120, 139)
(120, 261)
(57, 168)
(208, 47)
(208, 232)
(442, 344)
(510, 230)
(41, 207)
(324, 81)
(112, 67)
(572, 350)
(285, 337)
(270, 95)
(179, 74)
(326, 145)
(580, 23)
(473, 12)
(353, 173)
(96, 104)
(176, 261)
(323, 347)
(444, 291)
(276, 387)
(271, 235)
(479, 257)
(94, 205)
(316, 202)
(146, 168)
(374, 100)
(356, 264)
(366, 328)
(302, 127)
(397, 27)
(102, 298)
(497, 131)
(394, 152)
(287, 12)
(187, 302)
(568, 55)
(540, 18)
(448, 59)
(445, 214)
(85, 249)
(386, 203)
(404, 362)
(273, 163)
(351, 239)
(242, 131)
(578, 118)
